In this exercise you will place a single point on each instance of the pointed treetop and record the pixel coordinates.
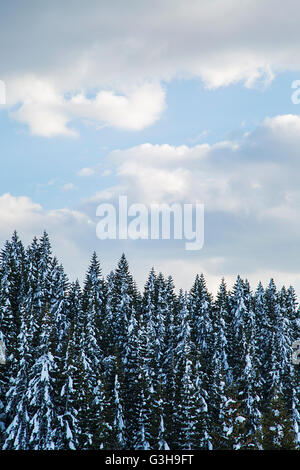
(123, 264)
(272, 285)
(260, 287)
(94, 269)
(160, 278)
(222, 295)
(15, 237)
(239, 287)
(45, 245)
(199, 289)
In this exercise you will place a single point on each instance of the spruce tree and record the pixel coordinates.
(17, 407)
(104, 368)
(188, 400)
(41, 389)
(277, 426)
(123, 313)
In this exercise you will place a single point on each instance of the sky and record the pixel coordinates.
(163, 101)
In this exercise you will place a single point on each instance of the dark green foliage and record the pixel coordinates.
(277, 427)
(104, 367)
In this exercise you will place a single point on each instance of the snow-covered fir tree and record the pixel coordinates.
(102, 367)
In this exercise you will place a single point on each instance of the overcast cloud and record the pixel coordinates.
(249, 187)
(54, 53)
(109, 64)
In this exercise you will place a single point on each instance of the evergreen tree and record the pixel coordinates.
(93, 299)
(190, 403)
(68, 435)
(17, 408)
(93, 306)
(123, 313)
(105, 368)
(12, 288)
(262, 330)
(277, 426)
(2, 391)
(239, 314)
(168, 365)
(201, 318)
(58, 285)
(220, 376)
(69, 401)
(41, 390)
(233, 436)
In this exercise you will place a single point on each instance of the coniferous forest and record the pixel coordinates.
(104, 366)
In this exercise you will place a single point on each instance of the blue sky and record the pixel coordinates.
(193, 115)
(180, 103)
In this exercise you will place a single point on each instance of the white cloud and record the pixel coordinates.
(68, 187)
(168, 38)
(288, 125)
(249, 187)
(21, 213)
(138, 109)
(120, 55)
(105, 64)
(49, 113)
(39, 106)
(100, 196)
(164, 173)
(86, 172)
(255, 175)
(106, 173)
(72, 232)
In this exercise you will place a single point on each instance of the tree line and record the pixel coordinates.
(104, 366)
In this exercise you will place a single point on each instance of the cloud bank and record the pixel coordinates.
(103, 62)
(249, 187)
(71, 232)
